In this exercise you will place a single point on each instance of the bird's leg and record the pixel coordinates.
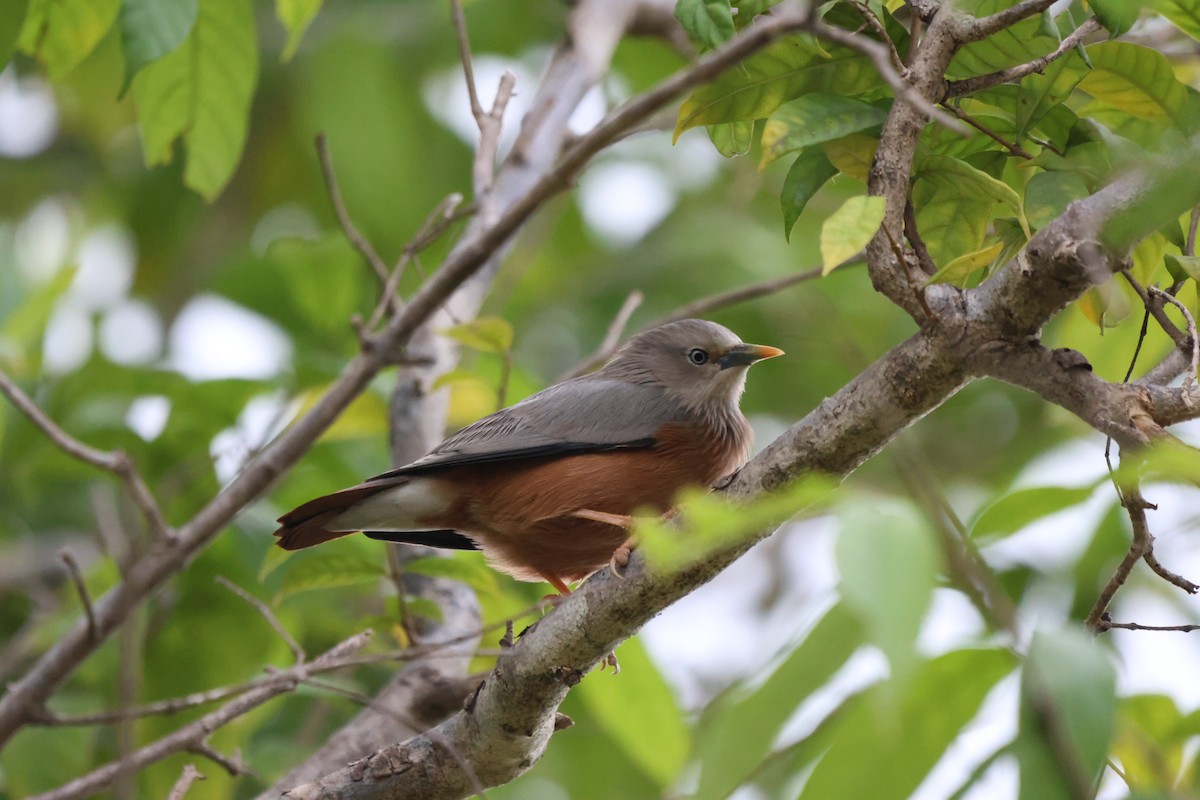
(620, 558)
(562, 589)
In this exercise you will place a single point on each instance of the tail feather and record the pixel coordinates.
(304, 526)
(308, 525)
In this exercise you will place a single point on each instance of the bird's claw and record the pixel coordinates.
(620, 559)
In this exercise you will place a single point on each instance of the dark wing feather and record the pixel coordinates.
(586, 415)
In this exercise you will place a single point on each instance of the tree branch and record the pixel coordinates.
(978, 83)
(193, 735)
(116, 462)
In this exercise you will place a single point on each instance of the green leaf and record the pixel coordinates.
(469, 569)
(1117, 16)
(815, 118)
(200, 93)
(951, 173)
(809, 172)
(62, 33)
(1015, 44)
(890, 602)
(1183, 14)
(849, 229)
(1018, 509)
(907, 739)
(852, 154)
(328, 571)
(640, 714)
(1134, 79)
(152, 28)
(737, 729)
(486, 334)
(1038, 94)
(780, 72)
(707, 521)
(296, 16)
(1183, 267)
(951, 222)
(1048, 194)
(708, 22)
(961, 268)
(1067, 688)
(12, 19)
(732, 138)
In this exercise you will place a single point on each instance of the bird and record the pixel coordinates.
(547, 487)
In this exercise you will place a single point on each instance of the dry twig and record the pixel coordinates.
(180, 789)
(68, 559)
(268, 615)
(117, 462)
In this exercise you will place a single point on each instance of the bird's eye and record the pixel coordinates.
(698, 356)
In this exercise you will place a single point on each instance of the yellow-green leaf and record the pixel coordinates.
(949, 173)
(201, 93)
(966, 265)
(732, 138)
(62, 33)
(786, 69)
(852, 155)
(1183, 14)
(486, 334)
(1134, 79)
(812, 119)
(296, 16)
(849, 229)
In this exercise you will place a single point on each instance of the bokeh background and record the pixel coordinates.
(141, 317)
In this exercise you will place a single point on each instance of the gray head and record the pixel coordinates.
(701, 364)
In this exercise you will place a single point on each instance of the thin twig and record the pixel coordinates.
(1193, 338)
(612, 337)
(918, 244)
(234, 766)
(192, 735)
(180, 789)
(874, 24)
(68, 559)
(355, 238)
(437, 222)
(267, 614)
(1155, 307)
(464, 52)
(1168, 576)
(490, 122)
(1013, 74)
(1107, 624)
(1012, 147)
(917, 289)
(117, 462)
(880, 56)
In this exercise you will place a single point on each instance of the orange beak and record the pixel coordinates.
(746, 354)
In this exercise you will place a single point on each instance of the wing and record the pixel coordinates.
(586, 415)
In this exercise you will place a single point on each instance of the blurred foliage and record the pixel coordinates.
(163, 105)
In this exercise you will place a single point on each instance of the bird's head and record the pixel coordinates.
(700, 363)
